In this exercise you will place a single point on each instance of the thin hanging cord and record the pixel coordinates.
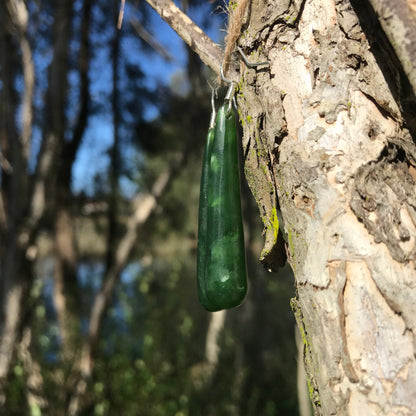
(234, 29)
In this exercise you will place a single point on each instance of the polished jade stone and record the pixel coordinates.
(202, 227)
(222, 277)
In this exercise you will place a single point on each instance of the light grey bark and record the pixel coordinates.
(209, 53)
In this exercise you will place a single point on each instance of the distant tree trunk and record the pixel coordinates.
(329, 134)
(15, 239)
(23, 206)
(65, 254)
(114, 172)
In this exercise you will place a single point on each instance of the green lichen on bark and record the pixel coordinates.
(258, 162)
(311, 371)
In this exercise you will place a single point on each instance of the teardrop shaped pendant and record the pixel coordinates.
(221, 263)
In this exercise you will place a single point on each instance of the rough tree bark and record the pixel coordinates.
(328, 138)
(335, 143)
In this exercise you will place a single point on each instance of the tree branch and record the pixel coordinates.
(212, 347)
(84, 63)
(198, 41)
(33, 373)
(147, 37)
(19, 16)
(55, 115)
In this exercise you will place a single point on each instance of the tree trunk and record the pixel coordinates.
(328, 133)
(14, 260)
(66, 296)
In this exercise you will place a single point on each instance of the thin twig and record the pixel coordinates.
(121, 14)
(198, 41)
(150, 39)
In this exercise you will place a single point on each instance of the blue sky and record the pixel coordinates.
(92, 157)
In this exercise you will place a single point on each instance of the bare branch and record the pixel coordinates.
(34, 379)
(150, 39)
(5, 164)
(19, 17)
(198, 41)
(84, 88)
(121, 14)
(212, 347)
(29, 80)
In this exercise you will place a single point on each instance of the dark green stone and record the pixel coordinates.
(222, 266)
(202, 227)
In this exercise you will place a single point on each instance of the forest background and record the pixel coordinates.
(101, 139)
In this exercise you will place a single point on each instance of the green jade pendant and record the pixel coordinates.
(221, 263)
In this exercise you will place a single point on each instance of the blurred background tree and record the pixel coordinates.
(101, 139)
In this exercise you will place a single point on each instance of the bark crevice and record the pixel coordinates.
(384, 200)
